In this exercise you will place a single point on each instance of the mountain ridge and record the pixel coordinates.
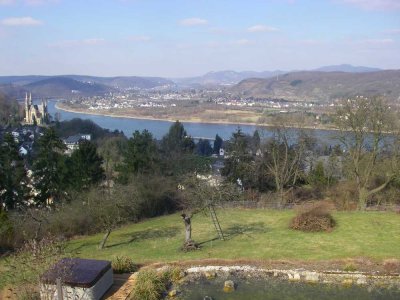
(322, 86)
(230, 77)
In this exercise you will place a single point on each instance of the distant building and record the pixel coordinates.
(35, 114)
(23, 151)
(72, 142)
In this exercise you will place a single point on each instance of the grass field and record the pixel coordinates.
(261, 236)
(251, 234)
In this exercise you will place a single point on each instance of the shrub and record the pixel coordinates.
(391, 265)
(123, 264)
(6, 232)
(350, 267)
(344, 194)
(313, 218)
(27, 265)
(173, 274)
(149, 285)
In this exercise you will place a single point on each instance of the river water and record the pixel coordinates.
(160, 128)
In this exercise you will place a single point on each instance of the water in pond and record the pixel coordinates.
(278, 289)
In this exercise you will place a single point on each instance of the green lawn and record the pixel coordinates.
(251, 234)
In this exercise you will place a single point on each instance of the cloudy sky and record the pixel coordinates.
(177, 38)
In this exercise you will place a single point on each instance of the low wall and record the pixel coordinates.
(328, 277)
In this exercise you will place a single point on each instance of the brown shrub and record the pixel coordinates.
(314, 217)
(344, 194)
(391, 265)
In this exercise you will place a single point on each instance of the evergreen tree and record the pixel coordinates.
(217, 144)
(239, 167)
(141, 155)
(177, 141)
(13, 179)
(317, 175)
(85, 166)
(204, 148)
(256, 140)
(49, 170)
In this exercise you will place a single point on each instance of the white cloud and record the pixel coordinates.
(93, 41)
(219, 31)
(74, 43)
(310, 42)
(139, 38)
(193, 22)
(375, 4)
(261, 28)
(28, 2)
(3, 33)
(393, 31)
(377, 41)
(183, 46)
(39, 2)
(21, 21)
(242, 42)
(7, 2)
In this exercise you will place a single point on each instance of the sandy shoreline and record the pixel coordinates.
(171, 120)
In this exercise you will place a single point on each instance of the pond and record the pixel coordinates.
(279, 289)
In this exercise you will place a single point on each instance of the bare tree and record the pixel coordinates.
(198, 195)
(284, 156)
(364, 125)
(111, 208)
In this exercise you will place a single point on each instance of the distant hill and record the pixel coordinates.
(66, 87)
(9, 111)
(12, 91)
(21, 80)
(233, 77)
(138, 82)
(120, 82)
(224, 78)
(347, 68)
(322, 86)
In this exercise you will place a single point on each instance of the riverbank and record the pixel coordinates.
(187, 120)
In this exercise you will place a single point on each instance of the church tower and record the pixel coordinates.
(28, 108)
(35, 114)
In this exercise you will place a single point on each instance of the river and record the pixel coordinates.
(160, 128)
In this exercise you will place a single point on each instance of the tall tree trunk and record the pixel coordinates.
(104, 240)
(362, 198)
(188, 227)
(363, 194)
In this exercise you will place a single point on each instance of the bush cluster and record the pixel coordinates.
(313, 218)
(123, 264)
(6, 232)
(149, 285)
(25, 267)
(90, 212)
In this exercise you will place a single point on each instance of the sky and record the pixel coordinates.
(181, 38)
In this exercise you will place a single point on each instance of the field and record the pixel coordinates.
(251, 235)
(361, 240)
